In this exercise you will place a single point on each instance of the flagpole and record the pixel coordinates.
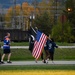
(32, 17)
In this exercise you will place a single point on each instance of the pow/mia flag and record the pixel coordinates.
(32, 36)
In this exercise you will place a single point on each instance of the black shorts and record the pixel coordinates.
(6, 51)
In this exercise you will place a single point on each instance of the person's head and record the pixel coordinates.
(52, 39)
(8, 34)
(48, 36)
(36, 28)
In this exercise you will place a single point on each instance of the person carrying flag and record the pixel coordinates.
(31, 43)
(51, 45)
(46, 49)
(32, 36)
(6, 48)
(39, 44)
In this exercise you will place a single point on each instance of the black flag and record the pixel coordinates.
(32, 36)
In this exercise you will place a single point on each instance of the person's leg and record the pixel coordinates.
(47, 57)
(52, 56)
(2, 58)
(42, 56)
(9, 55)
(4, 53)
(46, 53)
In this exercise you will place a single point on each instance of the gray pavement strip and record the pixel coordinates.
(40, 63)
(26, 47)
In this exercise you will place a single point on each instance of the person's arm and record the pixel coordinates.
(55, 45)
(34, 30)
(7, 41)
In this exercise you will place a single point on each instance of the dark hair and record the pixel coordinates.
(52, 39)
(47, 35)
(7, 33)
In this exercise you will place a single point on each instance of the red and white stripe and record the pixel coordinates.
(38, 46)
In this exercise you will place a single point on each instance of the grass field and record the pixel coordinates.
(17, 43)
(60, 54)
(27, 43)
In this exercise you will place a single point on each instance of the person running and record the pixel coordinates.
(46, 50)
(6, 48)
(51, 48)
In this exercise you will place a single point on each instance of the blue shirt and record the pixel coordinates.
(6, 43)
(51, 45)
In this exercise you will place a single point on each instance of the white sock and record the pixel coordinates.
(1, 60)
(8, 60)
(46, 61)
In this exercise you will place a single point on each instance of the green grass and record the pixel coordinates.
(65, 44)
(24, 54)
(17, 43)
(39, 67)
(27, 43)
(64, 54)
(60, 54)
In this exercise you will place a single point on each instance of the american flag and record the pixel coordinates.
(39, 44)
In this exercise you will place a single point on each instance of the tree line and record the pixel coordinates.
(60, 27)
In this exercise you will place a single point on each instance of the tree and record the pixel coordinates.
(18, 11)
(43, 22)
(63, 32)
(45, 6)
(52, 7)
(2, 19)
(70, 11)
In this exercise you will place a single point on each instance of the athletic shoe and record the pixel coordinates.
(35, 60)
(44, 61)
(2, 62)
(48, 59)
(9, 62)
